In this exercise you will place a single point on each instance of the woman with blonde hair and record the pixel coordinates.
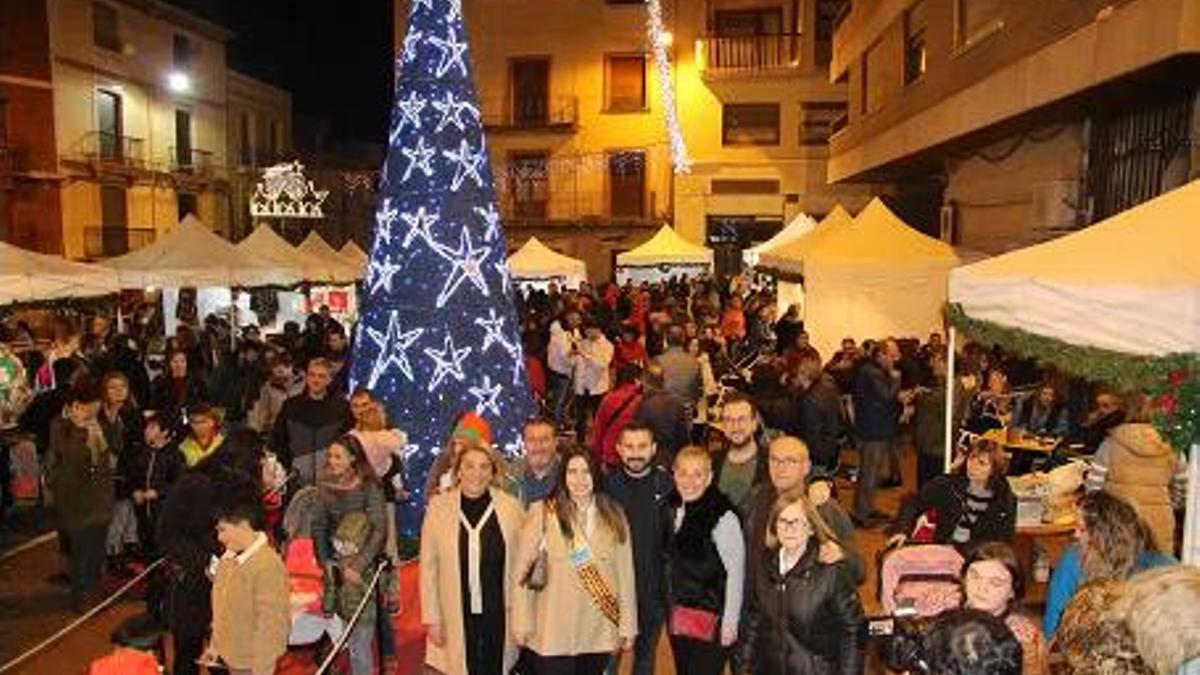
(805, 616)
(1161, 609)
(706, 559)
(468, 554)
(1112, 543)
(584, 607)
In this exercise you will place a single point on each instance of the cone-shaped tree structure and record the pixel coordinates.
(438, 336)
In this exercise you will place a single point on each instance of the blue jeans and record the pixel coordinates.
(645, 646)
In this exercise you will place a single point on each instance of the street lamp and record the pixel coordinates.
(179, 82)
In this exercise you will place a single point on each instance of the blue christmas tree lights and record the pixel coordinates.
(438, 335)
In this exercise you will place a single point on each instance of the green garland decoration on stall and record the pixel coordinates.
(1172, 381)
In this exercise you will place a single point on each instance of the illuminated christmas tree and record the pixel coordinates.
(438, 335)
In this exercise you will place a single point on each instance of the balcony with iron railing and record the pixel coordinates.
(750, 54)
(191, 160)
(113, 240)
(567, 206)
(110, 149)
(558, 114)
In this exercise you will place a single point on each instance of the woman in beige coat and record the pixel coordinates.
(468, 549)
(588, 608)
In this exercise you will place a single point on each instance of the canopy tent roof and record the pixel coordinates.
(354, 255)
(666, 247)
(535, 260)
(789, 257)
(265, 244)
(877, 237)
(1129, 284)
(191, 254)
(333, 266)
(26, 276)
(801, 225)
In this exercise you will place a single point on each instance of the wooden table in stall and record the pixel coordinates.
(1054, 538)
(1024, 449)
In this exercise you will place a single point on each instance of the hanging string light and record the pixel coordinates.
(660, 42)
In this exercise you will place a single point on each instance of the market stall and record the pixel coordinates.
(666, 254)
(801, 225)
(1118, 302)
(26, 276)
(538, 265)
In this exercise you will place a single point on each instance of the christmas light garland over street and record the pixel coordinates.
(660, 42)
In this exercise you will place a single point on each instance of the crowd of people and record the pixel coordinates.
(682, 478)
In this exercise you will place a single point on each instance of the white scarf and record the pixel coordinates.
(475, 555)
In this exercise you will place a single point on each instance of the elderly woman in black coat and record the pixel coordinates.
(804, 616)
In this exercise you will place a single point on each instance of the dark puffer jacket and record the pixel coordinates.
(808, 622)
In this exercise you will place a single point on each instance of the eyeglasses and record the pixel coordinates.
(791, 524)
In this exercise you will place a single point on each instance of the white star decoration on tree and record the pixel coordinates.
(452, 110)
(485, 396)
(518, 368)
(494, 331)
(467, 163)
(447, 361)
(411, 42)
(382, 274)
(419, 157)
(419, 225)
(466, 263)
(393, 347)
(384, 217)
(410, 113)
(427, 3)
(455, 12)
(505, 278)
(452, 53)
(491, 218)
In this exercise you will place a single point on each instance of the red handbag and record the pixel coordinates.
(697, 624)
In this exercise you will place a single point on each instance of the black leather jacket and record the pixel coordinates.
(808, 622)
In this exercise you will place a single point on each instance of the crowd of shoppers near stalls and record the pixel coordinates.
(699, 474)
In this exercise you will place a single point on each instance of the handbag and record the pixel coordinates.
(697, 624)
(536, 575)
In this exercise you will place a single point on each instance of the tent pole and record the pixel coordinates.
(950, 375)
(1190, 555)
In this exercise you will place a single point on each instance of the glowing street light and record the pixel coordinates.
(179, 82)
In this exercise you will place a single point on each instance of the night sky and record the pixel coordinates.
(335, 57)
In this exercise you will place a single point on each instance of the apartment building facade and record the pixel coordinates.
(578, 131)
(1007, 122)
(118, 117)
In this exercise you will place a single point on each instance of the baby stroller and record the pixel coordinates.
(306, 580)
(919, 581)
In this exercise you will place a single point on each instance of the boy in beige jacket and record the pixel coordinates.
(251, 614)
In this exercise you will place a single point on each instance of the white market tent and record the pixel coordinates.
(192, 255)
(265, 244)
(801, 225)
(1129, 284)
(333, 265)
(874, 278)
(789, 257)
(664, 255)
(26, 276)
(537, 263)
(354, 255)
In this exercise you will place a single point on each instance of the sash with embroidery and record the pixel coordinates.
(593, 582)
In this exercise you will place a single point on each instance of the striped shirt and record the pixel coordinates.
(975, 503)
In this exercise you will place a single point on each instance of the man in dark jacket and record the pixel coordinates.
(681, 370)
(641, 486)
(820, 413)
(309, 422)
(80, 477)
(664, 414)
(877, 400)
